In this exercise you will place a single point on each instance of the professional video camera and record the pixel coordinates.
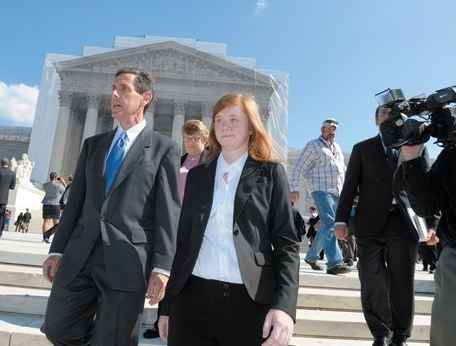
(415, 120)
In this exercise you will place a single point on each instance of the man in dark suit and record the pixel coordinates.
(386, 239)
(116, 239)
(26, 220)
(7, 182)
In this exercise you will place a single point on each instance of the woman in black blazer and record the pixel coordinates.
(234, 280)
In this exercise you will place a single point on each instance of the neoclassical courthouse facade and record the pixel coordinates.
(190, 76)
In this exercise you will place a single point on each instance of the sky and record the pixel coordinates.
(338, 54)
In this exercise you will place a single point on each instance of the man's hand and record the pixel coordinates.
(163, 327)
(156, 287)
(432, 237)
(294, 197)
(341, 232)
(410, 152)
(50, 267)
(282, 328)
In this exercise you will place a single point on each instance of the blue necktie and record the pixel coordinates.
(114, 161)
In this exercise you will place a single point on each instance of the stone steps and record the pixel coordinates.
(424, 282)
(343, 324)
(33, 300)
(311, 319)
(22, 276)
(23, 249)
(329, 308)
(20, 330)
(349, 300)
(31, 276)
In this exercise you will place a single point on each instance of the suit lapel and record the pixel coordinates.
(248, 180)
(100, 157)
(207, 193)
(379, 155)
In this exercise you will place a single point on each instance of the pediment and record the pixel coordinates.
(168, 60)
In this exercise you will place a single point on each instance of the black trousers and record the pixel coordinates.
(428, 255)
(215, 313)
(89, 312)
(348, 248)
(2, 218)
(386, 272)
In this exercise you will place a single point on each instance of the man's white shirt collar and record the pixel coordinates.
(132, 132)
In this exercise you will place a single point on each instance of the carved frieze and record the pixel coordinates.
(172, 62)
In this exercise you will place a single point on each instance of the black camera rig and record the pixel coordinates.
(415, 120)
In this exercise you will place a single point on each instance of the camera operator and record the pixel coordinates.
(386, 238)
(431, 192)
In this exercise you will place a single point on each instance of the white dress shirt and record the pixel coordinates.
(217, 258)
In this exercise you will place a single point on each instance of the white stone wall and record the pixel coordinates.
(45, 121)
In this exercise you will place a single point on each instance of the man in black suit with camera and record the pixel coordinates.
(386, 238)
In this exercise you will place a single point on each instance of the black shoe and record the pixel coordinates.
(151, 333)
(349, 262)
(314, 265)
(398, 341)
(381, 342)
(424, 269)
(338, 269)
(46, 240)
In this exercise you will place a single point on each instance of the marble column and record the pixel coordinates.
(60, 136)
(149, 116)
(178, 121)
(206, 117)
(91, 118)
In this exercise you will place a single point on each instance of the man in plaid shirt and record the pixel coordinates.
(322, 164)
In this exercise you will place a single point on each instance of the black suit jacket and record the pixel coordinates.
(27, 217)
(370, 175)
(7, 182)
(265, 238)
(136, 221)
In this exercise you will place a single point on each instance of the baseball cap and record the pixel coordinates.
(330, 122)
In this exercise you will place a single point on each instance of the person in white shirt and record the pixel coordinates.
(237, 258)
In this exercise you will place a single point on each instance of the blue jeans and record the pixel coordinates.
(326, 204)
